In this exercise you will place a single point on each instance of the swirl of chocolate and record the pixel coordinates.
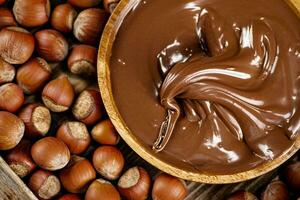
(210, 84)
(228, 88)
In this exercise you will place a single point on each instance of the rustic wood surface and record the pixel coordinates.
(11, 186)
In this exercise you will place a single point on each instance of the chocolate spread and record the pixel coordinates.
(211, 85)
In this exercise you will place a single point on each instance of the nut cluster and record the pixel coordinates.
(54, 131)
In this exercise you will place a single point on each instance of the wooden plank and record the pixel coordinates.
(11, 186)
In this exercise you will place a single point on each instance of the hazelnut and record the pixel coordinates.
(110, 5)
(84, 3)
(19, 159)
(69, 197)
(44, 184)
(102, 189)
(88, 107)
(7, 72)
(134, 184)
(168, 187)
(63, 17)
(50, 153)
(31, 13)
(11, 130)
(108, 161)
(291, 175)
(276, 190)
(58, 94)
(16, 45)
(242, 195)
(77, 175)
(105, 133)
(6, 18)
(11, 97)
(51, 45)
(89, 24)
(37, 119)
(33, 75)
(75, 135)
(83, 60)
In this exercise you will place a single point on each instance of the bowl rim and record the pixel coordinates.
(103, 73)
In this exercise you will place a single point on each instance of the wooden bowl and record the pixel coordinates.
(146, 153)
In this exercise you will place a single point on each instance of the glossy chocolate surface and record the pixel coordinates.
(212, 85)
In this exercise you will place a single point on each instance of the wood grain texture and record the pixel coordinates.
(11, 186)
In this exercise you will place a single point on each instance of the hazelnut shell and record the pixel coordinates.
(16, 45)
(77, 175)
(108, 161)
(102, 189)
(11, 97)
(134, 184)
(50, 153)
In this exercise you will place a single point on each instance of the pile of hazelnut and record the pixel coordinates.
(54, 131)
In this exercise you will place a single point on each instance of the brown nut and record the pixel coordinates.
(168, 187)
(291, 175)
(51, 45)
(110, 5)
(105, 133)
(31, 13)
(37, 120)
(89, 24)
(44, 184)
(63, 17)
(33, 75)
(16, 45)
(108, 161)
(11, 130)
(84, 3)
(7, 72)
(77, 175)
(58, 94)
(276, 190)
(102, 189)
(6, 18)
(50, 153)
(75, 135)
(11, 97)
(19, 159)
(83, 60)
(88, 107)
(134, 184)
(69, 197)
